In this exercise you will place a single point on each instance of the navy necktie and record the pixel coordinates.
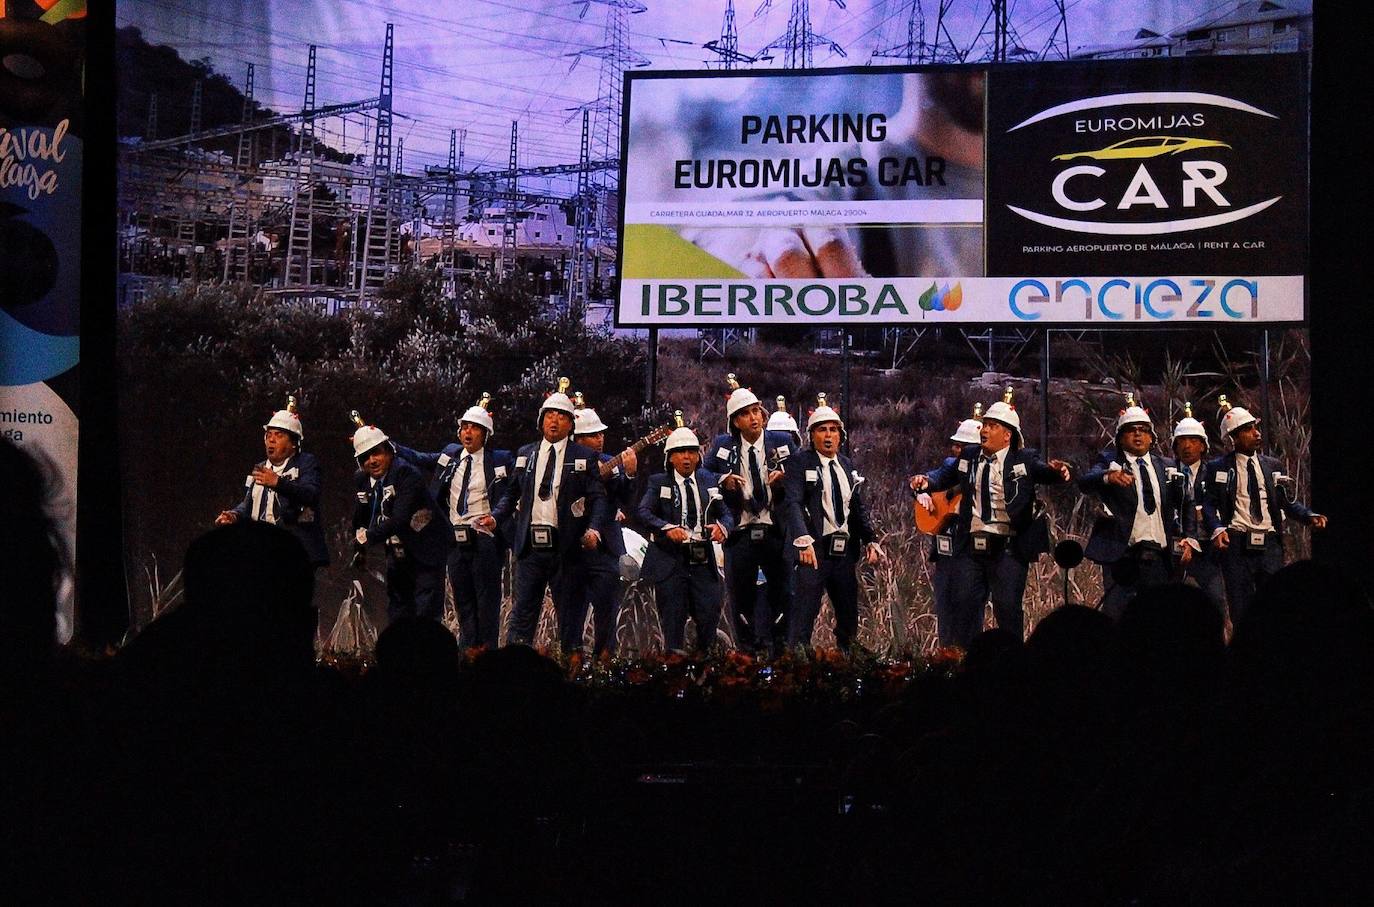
(836, 498)
(756, 478)
(690, 493)
(264, 503)
(463, 489)
(1256, 512)
(985, 490)
(1147, 486)
(546, 483)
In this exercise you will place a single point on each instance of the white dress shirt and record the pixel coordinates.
(1147, 527)
(748, 516)
(1241, 518)
(478, 505)
(273, 512)
(1001, 523)
(545, 513)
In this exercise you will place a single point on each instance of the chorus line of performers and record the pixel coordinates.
(787, 515)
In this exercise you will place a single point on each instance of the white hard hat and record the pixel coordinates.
(1133, 415)
(480, 414)
(782, 420)
(366, 438)
(968, 432)
(740, 398)
(1234, 416)
(287, 420)
(1188, 427)
(587, 422)
(823, 412)
(681, 438)
(559, 401)
(1003, 411)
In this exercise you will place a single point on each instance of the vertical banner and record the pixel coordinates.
(42, 54)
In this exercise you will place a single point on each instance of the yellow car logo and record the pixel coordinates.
(1148, 146)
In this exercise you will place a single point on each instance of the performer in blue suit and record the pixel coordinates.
(556, 506)
(1204, 565)
(396, 510)
(827, 529)
(684, 510)
(997, 533)
(954, 628)
(1247, 497)
(1142, 494)
(601, 565)
(284, 489)
(748, 459)
(468, 479)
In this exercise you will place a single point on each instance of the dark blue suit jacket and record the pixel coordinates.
(619, 494)
(802, 507)
(404, 508)
(657, 512)
(298, 492)
(496, 467)
(1111, 536)
(724, 458)
(1219, 502)
(1021, 472)
(580, 487)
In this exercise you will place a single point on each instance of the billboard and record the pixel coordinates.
(1106, 193)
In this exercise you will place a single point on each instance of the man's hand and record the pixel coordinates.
(919, 483)
(1317, 521)
(926, 501)
(732, 481)
(1185, 552)
(776, 476)
(776, 252)
(590, 539)
(226, 517)
(486, 522)
(1120, 477)
(717, 533)
(873, 554)
(1062, 467)
(360, 536)
(1221, 541)
(678, 534)
(807, 556)
(629, 461)
(265, 477)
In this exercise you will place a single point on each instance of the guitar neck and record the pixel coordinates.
(610, 465)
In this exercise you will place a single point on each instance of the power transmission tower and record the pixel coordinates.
(800, 40)
(584, 207)
(511, 223)
(616, 57)
(186, 224)
(300, 237)
(922, 45)
(239, 215)
(726, 47)
(379, 242)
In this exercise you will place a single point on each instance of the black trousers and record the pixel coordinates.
(760, 620)
(1151, 568)
(474, 573)
(535, 572)
(974, 577)
(689, 591)
(1244, 570)
(838, 578)
(413, 589)
(599, 579)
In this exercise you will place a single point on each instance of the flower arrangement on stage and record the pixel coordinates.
(736, 677)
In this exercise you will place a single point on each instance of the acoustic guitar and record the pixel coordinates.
(946, 509)
(653, 437)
